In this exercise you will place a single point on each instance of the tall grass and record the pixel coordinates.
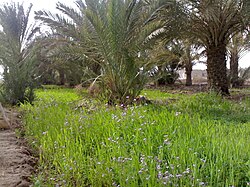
(194, 141)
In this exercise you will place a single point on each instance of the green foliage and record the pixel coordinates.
(108, 37)
(212, 23)
(17, 57)
(117, 26)
(168, 74)
(244, 75)
(188, 142)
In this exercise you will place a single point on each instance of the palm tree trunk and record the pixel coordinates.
(216, 69)
(188, 69)
(62, 79)
(234, 71)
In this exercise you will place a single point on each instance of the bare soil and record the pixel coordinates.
(16, 161)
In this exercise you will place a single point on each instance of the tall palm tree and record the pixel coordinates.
(213, 22)
(109, 33)
(17, 52)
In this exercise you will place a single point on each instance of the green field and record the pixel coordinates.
(184, 140)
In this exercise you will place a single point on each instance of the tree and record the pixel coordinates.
(189, 51)
(213, 22)
(165, 62)
(173, 55)
(18, 53)
(109, 33)
(58, 65)
(238, 46)
(244, 75)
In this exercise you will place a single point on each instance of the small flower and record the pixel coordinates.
(166, 142)
(159, 175)
(178, 175)
(158, 167)
(203, 160)
(177, 113)
(202, 183)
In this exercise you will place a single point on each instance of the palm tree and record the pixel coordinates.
(237, 48)
(174, 55)
(165, 61)
(17, 49)
(108, 33)
(212, 22)
(190, 52)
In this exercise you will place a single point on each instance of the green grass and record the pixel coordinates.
(159, 95)
(199, 140)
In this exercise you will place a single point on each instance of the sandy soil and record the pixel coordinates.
(16, 162)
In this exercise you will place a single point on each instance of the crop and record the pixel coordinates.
(196, 140)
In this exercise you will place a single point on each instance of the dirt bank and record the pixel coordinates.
(16, 162)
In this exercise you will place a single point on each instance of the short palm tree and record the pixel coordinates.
(17, 53)
(108, 33)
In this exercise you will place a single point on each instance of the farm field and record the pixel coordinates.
(177, 140)
(107, 93)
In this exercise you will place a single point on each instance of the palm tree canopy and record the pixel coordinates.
(110, 33)
(17, 52)
(14, 21)
(215, 21)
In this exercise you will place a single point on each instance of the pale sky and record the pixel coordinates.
(51, 4)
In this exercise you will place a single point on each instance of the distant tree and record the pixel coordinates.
(237, 48)
(190, 51)
(174, 55)
(17, 53)
(166, 59)
(244, 75)
(58, 64)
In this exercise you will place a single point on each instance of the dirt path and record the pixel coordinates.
(16, 162)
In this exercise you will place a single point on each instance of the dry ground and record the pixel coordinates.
(16, 162)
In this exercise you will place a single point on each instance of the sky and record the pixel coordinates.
(51, 4)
